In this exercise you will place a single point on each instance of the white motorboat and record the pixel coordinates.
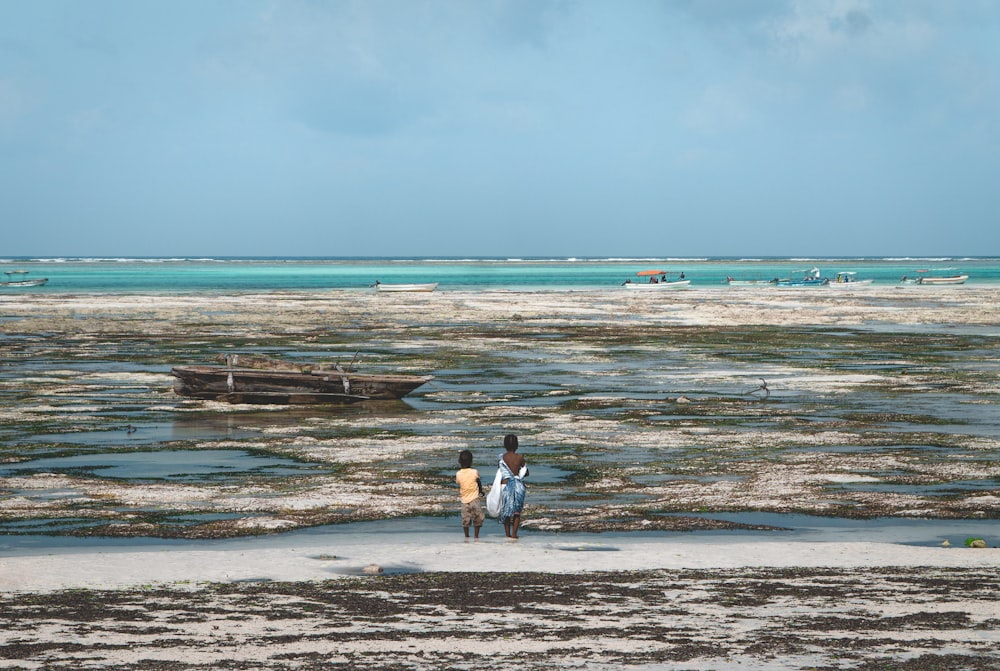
(18, 278)
(924, 277)
(954, 279)
(679, 284)
(657, 280)
(848, 278)
(428, 286)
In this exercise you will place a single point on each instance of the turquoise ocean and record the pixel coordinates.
(255, 274)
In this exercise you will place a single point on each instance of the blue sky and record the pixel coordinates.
(499, 127)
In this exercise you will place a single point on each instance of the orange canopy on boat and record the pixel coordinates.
(644, 273)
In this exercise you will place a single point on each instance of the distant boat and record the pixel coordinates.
(658, 280)
(848, 278)
(733, 282)
(11, 282)
(254, 379)
(429, 286)
(935, 280)
(953, 279)
(810, 278)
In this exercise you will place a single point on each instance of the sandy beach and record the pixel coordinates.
(440, 552)
(537, 603)
(834, 438)
(552, 601)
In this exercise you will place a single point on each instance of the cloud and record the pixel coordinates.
(373, 68)
(815, 30)
(566, 113)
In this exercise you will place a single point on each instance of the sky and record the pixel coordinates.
(623, 128)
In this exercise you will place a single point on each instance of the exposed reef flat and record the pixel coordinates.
(880, 402)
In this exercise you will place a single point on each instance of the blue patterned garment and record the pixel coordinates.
(512, 495)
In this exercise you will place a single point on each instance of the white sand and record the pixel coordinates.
(308, 558)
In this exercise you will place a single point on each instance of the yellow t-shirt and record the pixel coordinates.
(468, 490)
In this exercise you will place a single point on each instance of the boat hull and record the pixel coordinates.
(25, 283)
(431, 286)
(645, 286)
(251, 385)
(751, 283)
(802, 283)
(934, 281)
(851, 283)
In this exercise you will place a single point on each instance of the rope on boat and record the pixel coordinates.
(344, 379)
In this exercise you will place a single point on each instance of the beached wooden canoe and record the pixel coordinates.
(288, 385)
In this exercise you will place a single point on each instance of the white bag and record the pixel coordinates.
(493, 498)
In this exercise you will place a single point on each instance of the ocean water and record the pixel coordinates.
(233, 274)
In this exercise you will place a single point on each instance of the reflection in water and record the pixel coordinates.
(163, 465)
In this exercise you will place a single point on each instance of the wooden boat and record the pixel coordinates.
(821, 282)
(848, 278)
(954, 279)
(810, 278)
(657, 281)
(248, 379)
(935, 280)
(11, 282)
(429, 286)
(733, 282)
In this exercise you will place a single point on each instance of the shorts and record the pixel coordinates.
(472, 513)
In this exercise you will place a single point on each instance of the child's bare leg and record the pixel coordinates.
(477, 531)
(506, 528)
(466, 530)
(516, 525)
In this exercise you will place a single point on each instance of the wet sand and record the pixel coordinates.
(833, 438)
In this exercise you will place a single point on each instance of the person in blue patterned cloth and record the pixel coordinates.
(514, 469)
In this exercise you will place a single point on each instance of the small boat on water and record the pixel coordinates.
(733, 282)
(18, 278)
(429, 286)
(657, 280)
(935, 280)
(848, 278)
(255, 379)
(810, 278)
(954, 279)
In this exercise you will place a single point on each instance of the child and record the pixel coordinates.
(470, 488)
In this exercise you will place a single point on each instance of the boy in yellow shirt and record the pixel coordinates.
(470, 488)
